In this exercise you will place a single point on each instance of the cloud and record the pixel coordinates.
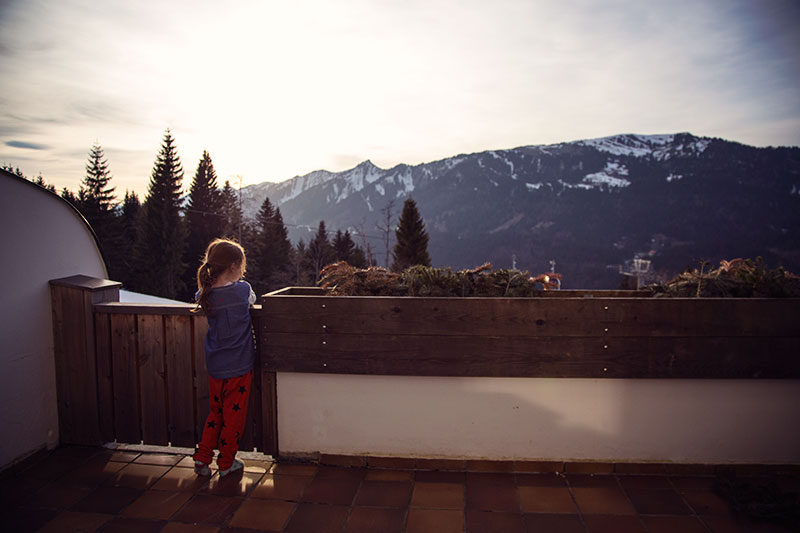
(27, 145)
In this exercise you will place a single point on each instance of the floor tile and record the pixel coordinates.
(23, 520)
(72, 521)
(278, 487)
(310, 517)
(541, 480)
(438, 496)
(177, 527)
(56, 495)
(693, 482)
(93, 472)
(208, 509)
(487, 497)
(368, 520)
(331, 491)
(16, 490)
(390, 475)
(138, 476)
(436, 476)
(602, 500)
(440, 464)
(434, 521)
(121, 524)
(181, 480)
(539, 466)
(53, 466)
(159, 459)
(263, 515)
(238, 484)
(706, 502)
(580, 480)
(123, 456)
(341, 474)
(157, 504)
(107, 500)
(254, 466)
(553, 523)
(294, 469)
(670, 524)
(490, 466)
(645, 482)
(384, 494)
(658, 501)
(597, 523)
(488, 522)
(549, 500)
(392, 463)
(727, 524)
(186, 462)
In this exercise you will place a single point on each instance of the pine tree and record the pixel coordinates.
(345, 249)
(412, 239)
(204, 218)
(129, 223)
(271, 250)
(233, 226)
(320, 252)
(97, 202)
(98, 197)
(162, 237)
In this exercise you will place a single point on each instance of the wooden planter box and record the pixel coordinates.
(566, 334)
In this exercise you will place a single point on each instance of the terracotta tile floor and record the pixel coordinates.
(95, 489)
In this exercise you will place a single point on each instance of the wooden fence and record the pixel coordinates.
(135, 373)
(573, 334)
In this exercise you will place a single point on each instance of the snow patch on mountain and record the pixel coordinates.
(629, 145)
(507, 162)
(674, 177)
(609, 176)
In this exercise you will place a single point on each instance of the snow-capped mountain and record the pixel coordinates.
(585, 204)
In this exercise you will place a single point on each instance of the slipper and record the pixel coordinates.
(201, 469)
(237, 465)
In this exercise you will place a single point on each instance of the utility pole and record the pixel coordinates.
(241, 215)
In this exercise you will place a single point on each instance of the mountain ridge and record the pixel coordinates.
(586, 204)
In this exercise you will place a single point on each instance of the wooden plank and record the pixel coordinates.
(269, 413)
(248, 440)
(62, 318)
(125, 373)
(623, 357)
(105, 379)
(255, 408)
(180, 379)
(535, 317)
(152, 380)
(144, 309)
(199, 329)
(75, 366)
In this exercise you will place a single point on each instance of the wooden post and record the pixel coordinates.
(76, 363)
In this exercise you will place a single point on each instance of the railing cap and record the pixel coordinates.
(85, 282)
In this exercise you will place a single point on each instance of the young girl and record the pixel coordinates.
(230, 353)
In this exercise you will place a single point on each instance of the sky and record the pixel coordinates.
(277, 89)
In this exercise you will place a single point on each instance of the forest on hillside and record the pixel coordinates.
(155, 245)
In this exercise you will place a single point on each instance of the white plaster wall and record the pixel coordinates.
(43, 239)
(620, 420)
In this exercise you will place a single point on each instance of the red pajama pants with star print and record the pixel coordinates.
(226, 421)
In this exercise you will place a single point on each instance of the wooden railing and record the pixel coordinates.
(135, 373)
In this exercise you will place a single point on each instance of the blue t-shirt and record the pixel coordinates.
(230, 348)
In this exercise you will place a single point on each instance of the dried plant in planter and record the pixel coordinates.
(738, 278)
(341, 279)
